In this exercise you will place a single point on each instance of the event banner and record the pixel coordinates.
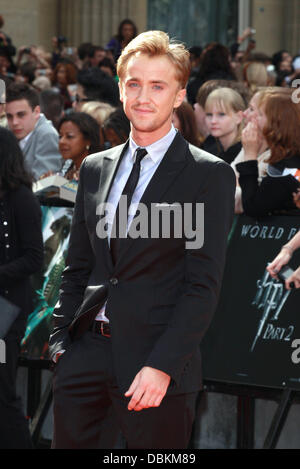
(254, 338)
(56, 224)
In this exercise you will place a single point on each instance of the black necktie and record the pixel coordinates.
(128, 192)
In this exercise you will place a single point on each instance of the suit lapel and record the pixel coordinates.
(169, 169)
(109, 169)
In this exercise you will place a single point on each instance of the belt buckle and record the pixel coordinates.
(102, 330)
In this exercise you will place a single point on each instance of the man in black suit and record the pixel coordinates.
(133, 309)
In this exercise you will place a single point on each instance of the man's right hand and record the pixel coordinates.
(147, 389)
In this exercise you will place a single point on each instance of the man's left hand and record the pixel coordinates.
(147, 389)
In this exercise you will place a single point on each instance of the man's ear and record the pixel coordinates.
(37, 112)
(179, 98)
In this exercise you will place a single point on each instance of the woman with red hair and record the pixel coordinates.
(279, 121)
(64, 74)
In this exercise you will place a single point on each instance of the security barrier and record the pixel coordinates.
(251, 349)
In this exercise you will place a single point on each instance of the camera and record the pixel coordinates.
(285, 273)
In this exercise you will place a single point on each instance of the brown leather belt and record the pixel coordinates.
(101, 327)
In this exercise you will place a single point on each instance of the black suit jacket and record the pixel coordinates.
(21, 246)
(160, 296)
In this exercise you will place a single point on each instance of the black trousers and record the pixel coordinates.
(89, 409)
(14, 432)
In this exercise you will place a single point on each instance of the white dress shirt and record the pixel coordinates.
(149, 164)
(24, 140)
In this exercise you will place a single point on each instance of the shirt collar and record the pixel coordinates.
(157, 149)
(24, 140)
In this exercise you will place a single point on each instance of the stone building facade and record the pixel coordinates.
(37, 21)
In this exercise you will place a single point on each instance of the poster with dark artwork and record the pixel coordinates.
(255, 332)
(56, 224)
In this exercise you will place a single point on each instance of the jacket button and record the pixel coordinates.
(114, 281)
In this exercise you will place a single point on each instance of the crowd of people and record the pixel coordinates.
(63, 105)
(232, 100)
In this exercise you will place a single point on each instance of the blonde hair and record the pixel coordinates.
(98, 110)
(226, 99)
(256, 75)
(229, 101)
(157, 43)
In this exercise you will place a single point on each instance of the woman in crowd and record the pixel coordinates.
(282, 60)
(126, 32)
(224, 109)
(185, 121)
(283, 258)
(64, 75)
(21, 255)
(79, 136)
(255, 75)
(98, 110)
(115, 129)
(279, 117)
(208, 141)
(215, 65)
(253, 112)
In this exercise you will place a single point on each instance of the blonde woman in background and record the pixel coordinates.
(256, 76)
(224, 109)
(98, 110)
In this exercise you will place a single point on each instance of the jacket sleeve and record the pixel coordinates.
(274, 193)
(46, 154)
(27, 217)
(79, 264)
(203, 273)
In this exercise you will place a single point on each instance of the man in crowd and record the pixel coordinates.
(95, 85)
(37, 137)
(133, 310)
(52, 105)
(96, 54)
